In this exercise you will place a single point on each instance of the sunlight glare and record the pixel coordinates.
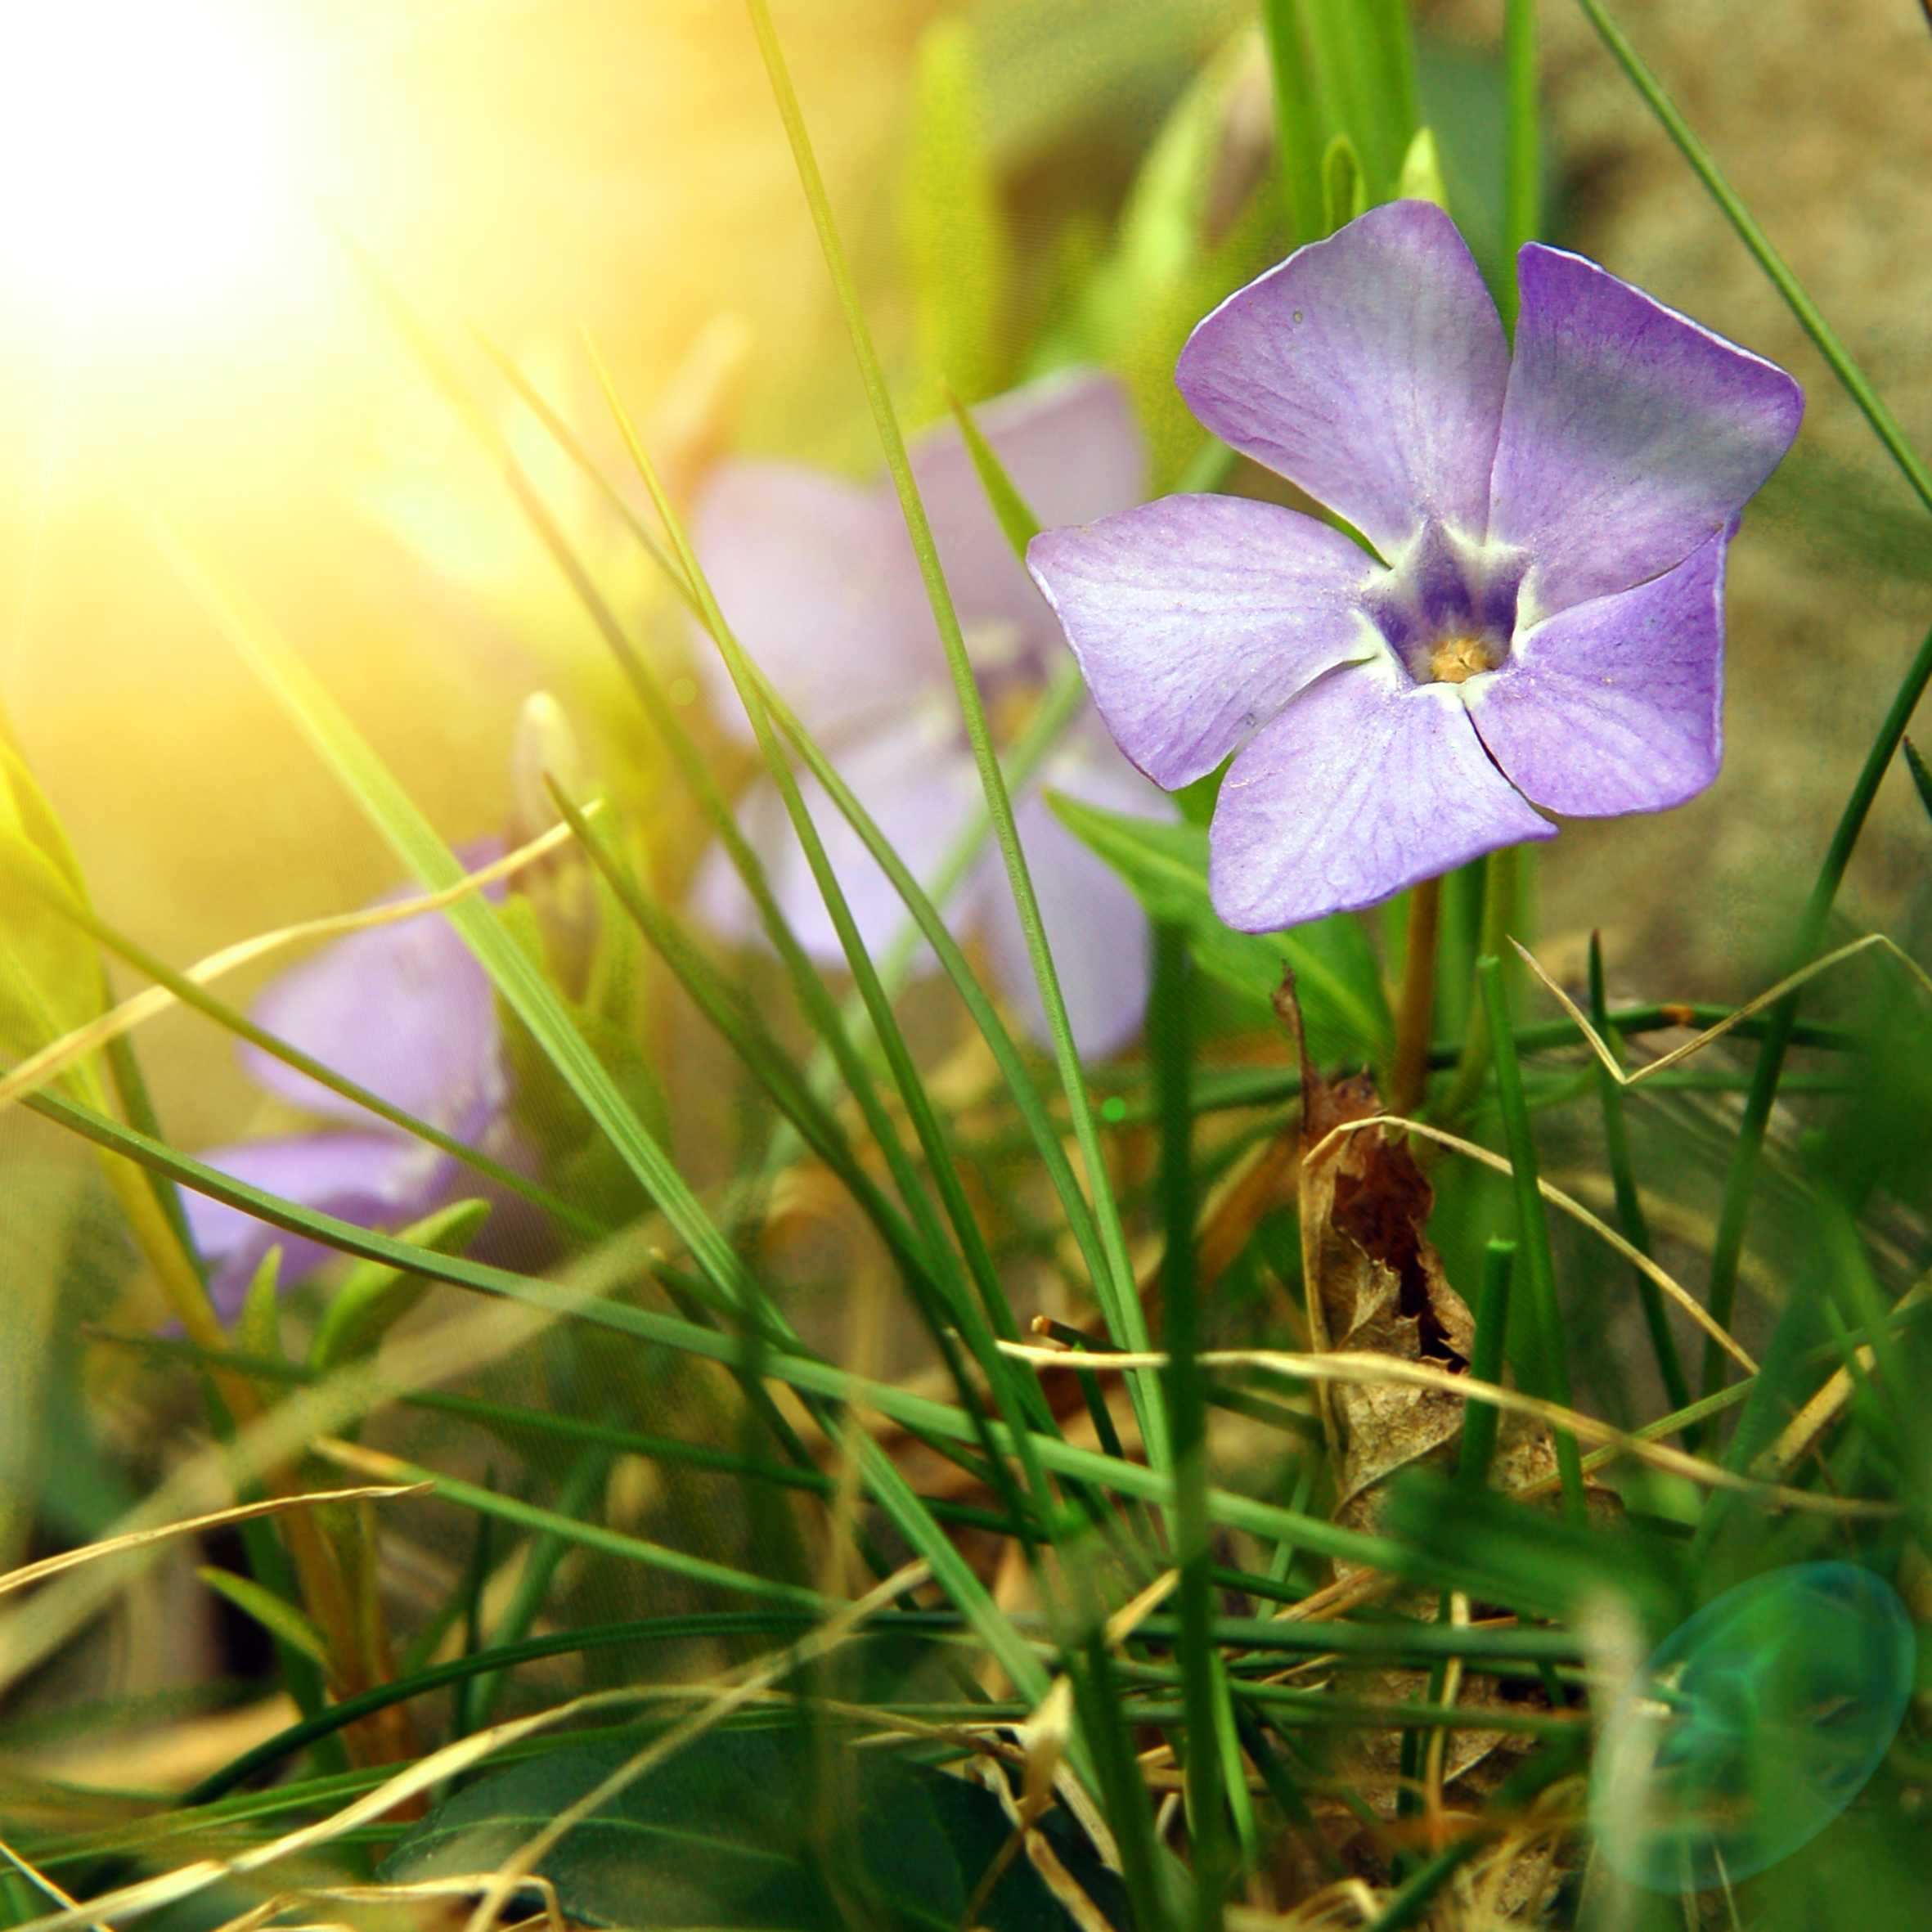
(140, 143)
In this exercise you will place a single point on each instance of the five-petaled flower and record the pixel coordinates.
(818, 579)
(405, 1011)
(1542, 623)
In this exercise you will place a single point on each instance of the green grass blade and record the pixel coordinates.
(1119, 1304)
(1741, 1181)
(1481, 1419)
(1522, 161)
(810, 1376)
(519, 981)
(1203, 1691)
(1297, 132)
(1630, 1214)
(233, 1021)
(1885, 425)
(994, 1314)
(499, 1507)
(1921, 775)
(1032, 747)
(1534, 1228)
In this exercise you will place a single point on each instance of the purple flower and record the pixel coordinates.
(818, 579)
(1546, 626)
(405, 1011)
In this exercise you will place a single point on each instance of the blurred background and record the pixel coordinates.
(517, 164)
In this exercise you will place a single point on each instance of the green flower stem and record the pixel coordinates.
(1115, 1286)
(1534, 1230)
(1500, 872)
(1408, 1083)
(1856, 385)
(1728, 1246)
(1630, 1216)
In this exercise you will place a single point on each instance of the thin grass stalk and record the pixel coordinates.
(1170, 1040)
(1481, 1419)
(978, 1324)
(1534, 1234)
(738, 1024)
(814, 995)
(1123, 1790)
(931, 924)
(1921, 775)
(518, 1425)
(1630, 1214)
(410, 835)
(1024, 759)
(1740, 1182)
(535, 1002)
(815, 998)
(802, 1372)
(582, 1485)
(1120, 1303)
(483, 1502)
(1885, 425)
(232, 1020)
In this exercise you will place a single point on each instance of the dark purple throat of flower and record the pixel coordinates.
(1449, 609)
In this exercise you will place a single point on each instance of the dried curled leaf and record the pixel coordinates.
(1375, 1285)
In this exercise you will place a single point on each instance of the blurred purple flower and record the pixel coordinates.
(1549, 627)
(818, 578)
(405, 1011)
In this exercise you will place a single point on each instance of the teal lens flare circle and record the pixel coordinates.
(1752, 1727)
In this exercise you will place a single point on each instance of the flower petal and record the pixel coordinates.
(1616, 705)
(1630, 436)
(1197, 617)
(1368, 368)
(375, 1180)
(404, 1010)
(1364, 784)
(816, 578)
(1094, 923)
(1074, 453)
(915, 779)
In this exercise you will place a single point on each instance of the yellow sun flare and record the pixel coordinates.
(141, 144)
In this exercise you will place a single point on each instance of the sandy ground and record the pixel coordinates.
(1821, 117)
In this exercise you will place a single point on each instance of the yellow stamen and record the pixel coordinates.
(1456, 658)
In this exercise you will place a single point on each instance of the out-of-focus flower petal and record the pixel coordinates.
(1196, 619)
(1074, 452)
(1616, 705)
(1364, 784)
(404, 1010)
(816, 578)
(1094, 923)
(914, 777)
(1630, 434)
(375, 1180)
(1370, 368)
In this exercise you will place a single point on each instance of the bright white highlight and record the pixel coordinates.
(140, 144)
